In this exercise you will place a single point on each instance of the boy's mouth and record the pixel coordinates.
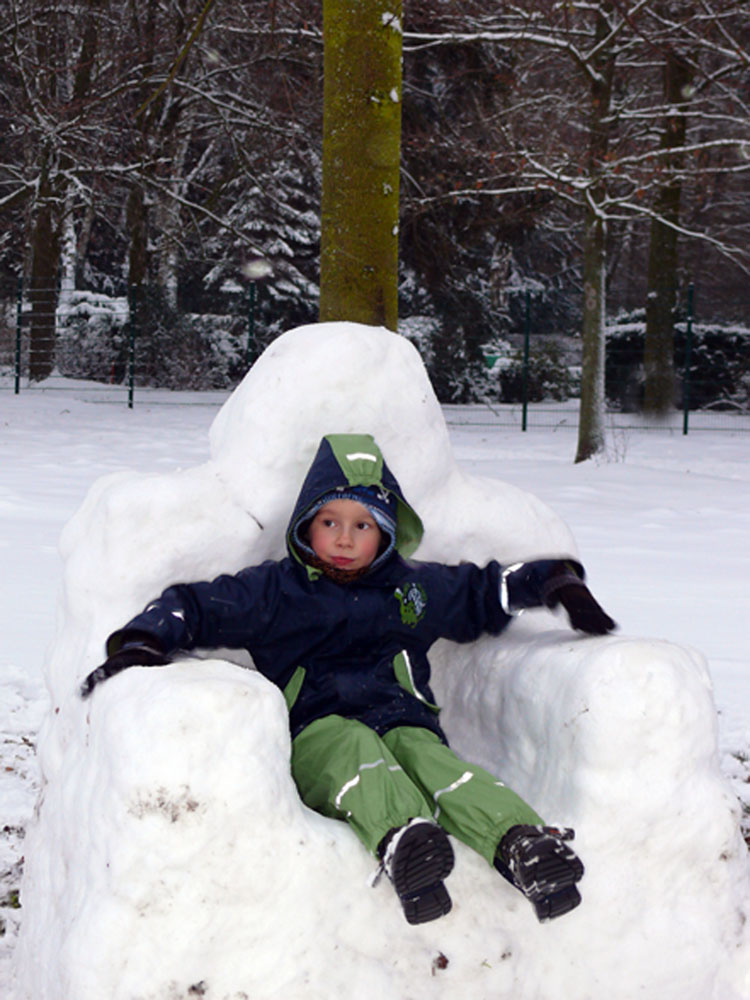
(341, 561)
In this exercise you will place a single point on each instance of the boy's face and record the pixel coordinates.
(344, 534)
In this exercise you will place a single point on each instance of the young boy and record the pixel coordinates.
(343, 625)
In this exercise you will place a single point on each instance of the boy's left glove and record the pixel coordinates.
(135, 649)
(565, 587)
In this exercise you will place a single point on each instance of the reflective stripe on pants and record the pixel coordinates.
(344, 770)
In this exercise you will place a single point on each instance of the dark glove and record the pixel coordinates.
(134, 649)
(585, 613)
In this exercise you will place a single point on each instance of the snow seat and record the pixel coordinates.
(171, 856)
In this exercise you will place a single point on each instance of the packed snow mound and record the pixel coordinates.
(171, 856)
(347, 378)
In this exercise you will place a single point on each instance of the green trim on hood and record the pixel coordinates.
(344, 461)
(361, 461)
(359, 458)
(409, 530)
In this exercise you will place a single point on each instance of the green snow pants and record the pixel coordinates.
(344, 770)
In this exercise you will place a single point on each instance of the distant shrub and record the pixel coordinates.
(457, 374)
(719, 373)
(171, 350)
(548, 375)
(92, 337)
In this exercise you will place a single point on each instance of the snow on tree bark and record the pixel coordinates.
(591, 439)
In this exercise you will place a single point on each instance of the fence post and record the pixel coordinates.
(525, 378)
(19, 321)
(132, 319)
(688, 358)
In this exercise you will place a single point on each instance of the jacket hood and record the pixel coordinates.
(344, 461)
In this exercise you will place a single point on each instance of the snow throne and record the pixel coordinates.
(171, 857)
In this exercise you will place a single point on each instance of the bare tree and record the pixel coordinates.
(171, 142)
(577, 169)
(661, 293)
(50, 79)
(704, 60)
(580, 127)
(599, 65)
(56, 85)
(139, 131)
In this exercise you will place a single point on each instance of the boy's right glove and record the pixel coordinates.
(137, 649)
(585, 613)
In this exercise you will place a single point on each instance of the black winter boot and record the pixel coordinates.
(538, 862)
(416, 858)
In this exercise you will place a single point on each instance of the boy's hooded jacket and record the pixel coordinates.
(359, 648)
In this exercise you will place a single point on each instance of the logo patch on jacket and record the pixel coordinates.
(412, 601)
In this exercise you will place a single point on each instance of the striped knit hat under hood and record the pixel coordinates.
(351, 467)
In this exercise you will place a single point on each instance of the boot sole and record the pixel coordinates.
(552, 891)
(424, 857)
(557, 904)
(554, 875)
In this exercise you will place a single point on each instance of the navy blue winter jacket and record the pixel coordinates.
(357, 649)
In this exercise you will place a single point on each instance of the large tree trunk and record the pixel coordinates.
(361, 152)
(658, 354)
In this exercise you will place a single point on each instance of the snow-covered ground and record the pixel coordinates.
(662, 526)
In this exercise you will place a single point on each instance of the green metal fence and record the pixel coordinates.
(121, 347)
(121, 352)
